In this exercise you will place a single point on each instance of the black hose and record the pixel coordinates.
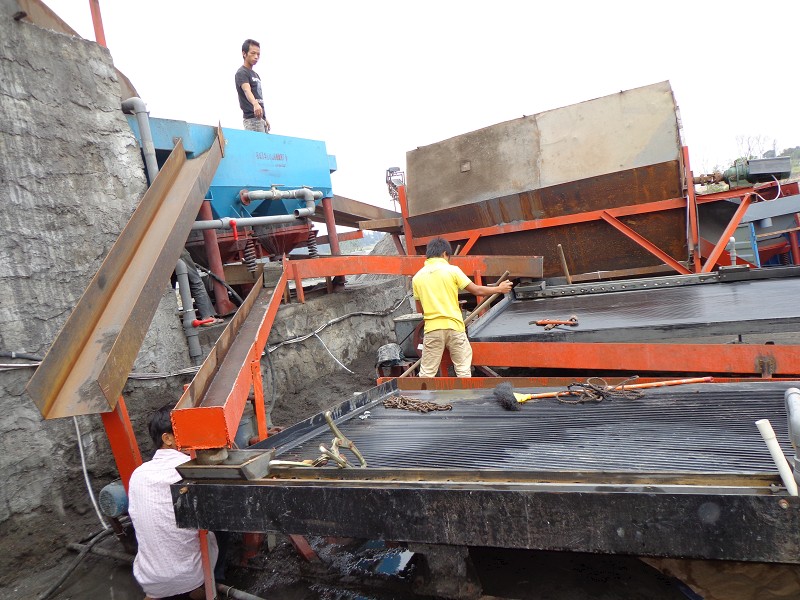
(236, 296)
(81, 555)
(21, 355)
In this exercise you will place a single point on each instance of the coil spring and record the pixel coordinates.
(250, 256)
(312, 243)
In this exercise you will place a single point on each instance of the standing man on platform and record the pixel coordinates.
(248, 87)
(436, 286)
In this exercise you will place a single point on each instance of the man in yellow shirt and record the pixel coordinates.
(436, 287)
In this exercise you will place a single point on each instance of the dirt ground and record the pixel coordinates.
(325, 392)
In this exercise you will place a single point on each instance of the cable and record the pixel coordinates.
(303, 338)
(778, 183)
(86, 476)
(332, 356)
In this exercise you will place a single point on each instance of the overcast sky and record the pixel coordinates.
(374, 79)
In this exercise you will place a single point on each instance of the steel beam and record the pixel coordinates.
(730, 359)
(518, 266)
(584, 217)
(678, 521)
(711, 261)
(209, 411)
(122, 440)
(349, 212)
(88, 363)
(644, 243)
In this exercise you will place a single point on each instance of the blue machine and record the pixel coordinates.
(252, 161)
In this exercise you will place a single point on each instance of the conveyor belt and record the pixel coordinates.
(698, 428)
(741, 307)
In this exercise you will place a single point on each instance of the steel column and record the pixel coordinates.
(258, 399)
(691, 213)
(208, 568)
(411, 248)
(330, 225)
(97, 22)
(122, 440)
(223, 305)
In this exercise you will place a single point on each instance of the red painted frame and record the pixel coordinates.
(215, 426)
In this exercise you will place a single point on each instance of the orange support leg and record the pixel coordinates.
(208, 568)
(258, 402)
(122, 440)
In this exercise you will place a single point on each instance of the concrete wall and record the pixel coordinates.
(70, 177)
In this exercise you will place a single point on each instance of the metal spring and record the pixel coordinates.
(250, 256)
(312, 242)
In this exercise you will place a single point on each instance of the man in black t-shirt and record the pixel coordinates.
(248, 87)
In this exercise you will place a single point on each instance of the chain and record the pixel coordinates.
(597, 389)
(405, 403)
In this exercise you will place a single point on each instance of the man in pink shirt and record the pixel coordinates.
(168, 565)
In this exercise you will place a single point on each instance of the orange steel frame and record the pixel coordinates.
(612, 216)
(211, 426)
(206, 427)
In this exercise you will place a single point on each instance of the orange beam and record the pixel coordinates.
(122, 440)
(97, 22)
(711, 261)
(202, 423)
(403, 201)
(474, 266)
(518, 266)
(475, 383)
(644, 243)
(638, 358)
(595, 215)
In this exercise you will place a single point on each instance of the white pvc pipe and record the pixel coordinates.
(792, 398)
(307, 195)
(765, 428)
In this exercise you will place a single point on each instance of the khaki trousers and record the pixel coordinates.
(433, 345)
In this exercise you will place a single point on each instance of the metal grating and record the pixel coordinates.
(638, 315)
(687, 429)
